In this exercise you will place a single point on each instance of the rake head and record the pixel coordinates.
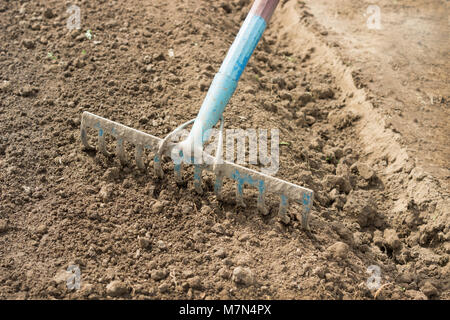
(265, 184)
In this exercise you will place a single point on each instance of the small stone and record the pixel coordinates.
(161, 245)
(28, 91)
(143, 120)
(284, 218)
(333, 194)
(111, 174)
(218, 228)
(48, 13)
(244, 237)
(244, 276)
(339, 250)
(159, 274)
(286, 96)
(220, 253)
(105, 192)
(429, 290)
(164, 287)
(188, 273)
(5, 85)
(79, 63)
(206, 210)
(3, 226)
(186, 209)
(144, 243)
(249, 90)
(28, 43)
(391, 239)
(203, 85)
(41, 229)
(323, 93)
(149, 68)
(86, 289)
(446, 245)
(195, 283)
(157, 207)
(310, 120)
(304, 98)
(51, 290)
(224, 273)
(159, 57)
(365, 171)
(116, 288)
(35, 26)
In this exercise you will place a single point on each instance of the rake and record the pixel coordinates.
(191, 149)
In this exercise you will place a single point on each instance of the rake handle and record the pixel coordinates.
(226, 80)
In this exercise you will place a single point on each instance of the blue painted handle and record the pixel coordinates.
(225, 81)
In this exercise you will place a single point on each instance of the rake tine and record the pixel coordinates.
(138, 156)
(162, 147)
(198, 178)
(120, 151)
(218, 186)
(157, 166)
(84, 138)
(102, 143)
(178, 175)
(261, 199)
(240, 193)
(217, 161)
(307, 203)
(282, 213)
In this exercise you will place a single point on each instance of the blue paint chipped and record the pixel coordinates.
(283, 200)
(218, 184)
(197, 173)
(261, 186)
(306, 199)
(100, 132)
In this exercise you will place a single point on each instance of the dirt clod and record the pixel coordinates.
(144, 243)
(116, 288)
(28, 43)
(365, 171)
(157, 207)
(338, 250)
(361, 206)
(243, 275)
(159, 274)
(391, 239)
(429, 290)
(3, 226)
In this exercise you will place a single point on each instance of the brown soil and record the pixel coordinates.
(366, 129)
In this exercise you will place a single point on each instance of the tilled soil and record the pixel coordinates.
(134, 236)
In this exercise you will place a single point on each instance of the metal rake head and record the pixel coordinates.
(160, 147)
